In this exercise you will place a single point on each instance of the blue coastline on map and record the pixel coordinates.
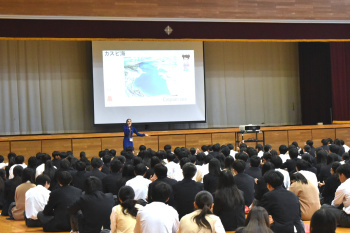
(150, 82)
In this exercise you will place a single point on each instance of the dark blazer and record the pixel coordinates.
(325, 172)
(210, 182)
(110, 183)
(96, 209)
(291, 165)
(79, 178)
(167, 180)
(254, 172)
(105, 168)
(284, 208)
(57, 205)
(9, 193)
(331, 185)
(245, 183)
(97, 173)
(184, 194)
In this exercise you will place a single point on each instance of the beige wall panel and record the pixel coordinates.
(115, 143)
(198, 140)
(149, 142)
(91, 146)
(223, 138)
(276, 138)
(343, 134)
(48, 146)
(173, 140)
(300, 136)
(319, 134)
(26, 148)
(4, 149)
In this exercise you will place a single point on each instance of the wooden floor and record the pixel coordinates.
(11, 226)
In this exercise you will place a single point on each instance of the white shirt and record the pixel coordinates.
(260, 154)
(233, 153)
(173, 169)
(346, 148)
(286, 180)
(39, 170)
(140, 186)
(13, 166)
(157, 217)
(310, 176)
(342, 195)
(2, 165)
(284, 157)
(36, 200)
(201, 172)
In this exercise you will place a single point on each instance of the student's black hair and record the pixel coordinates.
(302, 164)
(335, 166)
(80, 166)
(106, 158)
(267, 147)
(216, 147)
(242, 156)
(298, 177)
(49, 169)
(142, 147)
(167, 147)
(307, 158)
(126, 194)
(251, 151)
(96, 162)
(208, 158)
(28, 174)
(267, 167)
(214, 167)
(204, 148)
(130, 149)
(257, 221)
(283, 149)
(259, 147)
(321, 157)
(293, 153)
(333, 148)
(324, 142)
(345, 156)
(161, 192)
(1, 159)
(239, 165)
(92, 184)
(267, 156)
(64, 178)
(170, 157)
(225, 150)
(193, 159)
(307, 148)
(189, 170)
(32, 162)
(203, 200)
(276, 161)
(64, 164)
(116, 165)
(255, 161)
(18, 171)
(42, 179)
(19, 159)
(193, 151)
(183, 161)
(344, 169)
(229, 162)
(323, 221)
(274, 178)
(140, 169)
(160, 170)
(332, 157)
(310, 143)
(230, 146)
(121, 158)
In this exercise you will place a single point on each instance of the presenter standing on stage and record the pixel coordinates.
(128, 132)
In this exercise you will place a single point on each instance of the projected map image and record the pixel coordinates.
(149, 78)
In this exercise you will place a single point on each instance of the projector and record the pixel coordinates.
(249, 128)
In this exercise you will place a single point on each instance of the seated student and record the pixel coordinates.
(186, 190)
(96, 165)
(92, 210)
(123, 216)
(10, 189)
(342, 196)
(158, 217)
(2, 164)
(281, 204)
(19, 161)
(80, 176)
(283, 153)
(257, 222)
(307, 194)
(55, 217)
(323, 221)
(160, 173)
(202, 219)
(171, 165)
(36, 199)
(211, 179)
(17, 212)
(110, 181)
(291, 163)
(277, 162)
(139, 184)
(302, 166)
(244, 182)
(229, 202)
(260, 187)
(330, 185)
(254, 169)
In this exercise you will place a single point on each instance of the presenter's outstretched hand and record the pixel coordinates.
(146, 135)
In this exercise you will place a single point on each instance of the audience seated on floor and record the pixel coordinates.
(257, 222)
(323, 221)
(139, 183)
(244, 182)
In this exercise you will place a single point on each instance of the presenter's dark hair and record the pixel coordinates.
(204, 200)
(126, 194)
(42, 179)
(161, 192)
(92, 184)
(64, 178)
(127, 120)
(189, 170)
(323, 221)
(274, 178)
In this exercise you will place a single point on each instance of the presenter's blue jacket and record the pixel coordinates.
(128, 134)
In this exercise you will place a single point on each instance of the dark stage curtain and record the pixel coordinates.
(315, 83)
(340, 61)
